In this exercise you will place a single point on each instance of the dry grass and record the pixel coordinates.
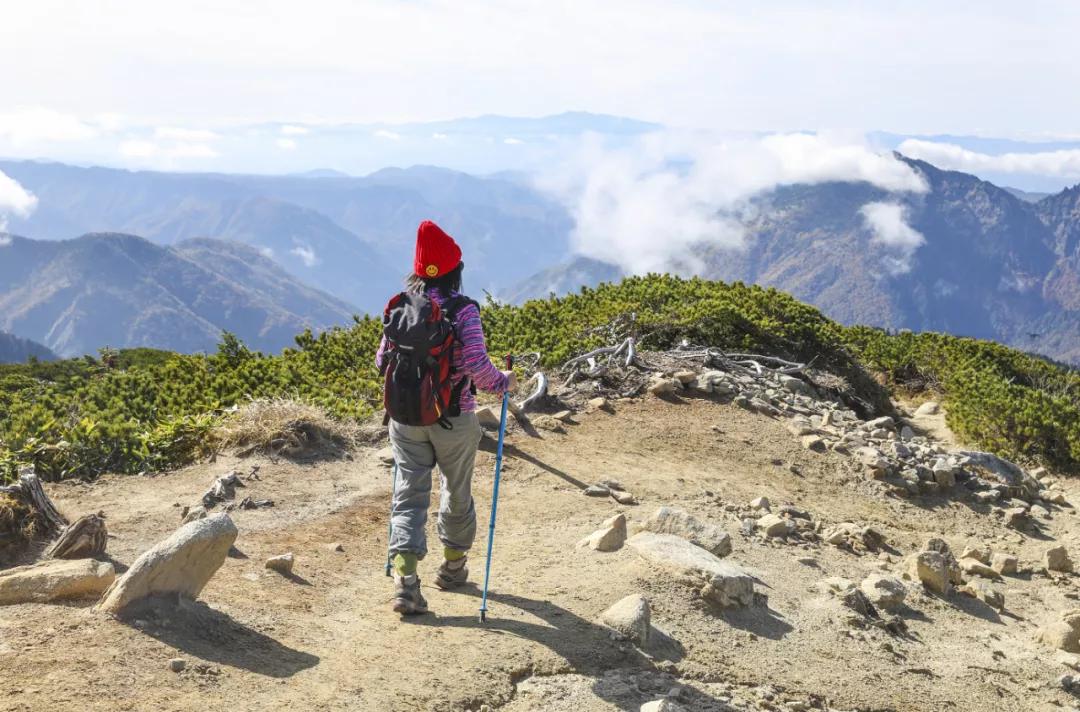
(281, 426)
(19, 526)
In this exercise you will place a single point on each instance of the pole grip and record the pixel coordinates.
(509, 362)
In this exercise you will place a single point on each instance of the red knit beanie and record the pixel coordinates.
(436, 252)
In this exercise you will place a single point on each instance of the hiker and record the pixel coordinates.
(431, 407)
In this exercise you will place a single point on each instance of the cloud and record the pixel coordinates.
(513, 141)
(286, 144)
(888, 224)
(1064, 163)
(173, 133)
(293, 130)
(390, 135)
(653, 205)
(306, 255)
(142, 149)
(14, 199)
(267, 252)
(33, 125)
(439, 136)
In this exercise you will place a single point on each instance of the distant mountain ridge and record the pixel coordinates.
(353, 237)
(109, 289)
(993, 265)
(17, 350)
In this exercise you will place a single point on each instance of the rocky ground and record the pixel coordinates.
(805, 559)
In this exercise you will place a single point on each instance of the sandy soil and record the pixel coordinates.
(325, 638)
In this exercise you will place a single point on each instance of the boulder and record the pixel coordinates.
(761, 503)
(283, 564)
(179, 565)
(1063, 633)
(610, 537)
(983, 591)
(930, 568)
(1057, 559)
(710, 537)
(55, 580)
(885, 592)
(630, 617)
(724, 583)
(928, 408)
(1004, 564)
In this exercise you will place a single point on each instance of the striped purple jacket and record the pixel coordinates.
(471, 358)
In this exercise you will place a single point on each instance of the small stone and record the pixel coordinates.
(1004, 564)
(930, 568)
(599, 403)
(977, 568)
(630, 617)
(596, 491)
(882, 423)
(772, 525)
(928, 408)
(1064, 633)
(983, 591)
(386, 455)
(283, 564)
(335, 547)
(549, 423)
(1016, 518)
(761, 503)
(685, 377)
(797, 386)
(194, 514)
(813, 442)
(1057, 559)
(623, 497)
(660, 386)
(886, 592)
(177, 664)
(799, 427)
(610, 537)
(977, 553)
(664, 705)
(906, 433)
(563, 416)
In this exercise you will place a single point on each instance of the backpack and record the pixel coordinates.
(418, 361)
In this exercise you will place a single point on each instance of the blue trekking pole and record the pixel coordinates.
(390, 524)
(495, 493)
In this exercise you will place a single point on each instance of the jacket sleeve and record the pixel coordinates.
(475, 360)
(380, 354)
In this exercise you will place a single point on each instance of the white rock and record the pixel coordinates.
(882, 423)
(664, 705)
(724, 583)
(1005, 564)
(931, 568)
(660, 386)
(1063, 633)
(630, 617)
(797, 385)
(710, 537)
(610, 537)
(283, 564)
(761, 503)
(977, 568)
(885, 592)
(772, 525)
(977, 553)
(55, 580)
(928, 408)
(599, 403)
(180, 564)
(983, 591)
(177, 664)
(685, 377)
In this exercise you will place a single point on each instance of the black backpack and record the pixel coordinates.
(418, 360)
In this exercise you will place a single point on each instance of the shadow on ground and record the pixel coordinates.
(587, 647)
(214, 636)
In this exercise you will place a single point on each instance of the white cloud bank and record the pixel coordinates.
(14, 200)
(888, 224)
(32, 126)
(653, 205)
(1062, 164)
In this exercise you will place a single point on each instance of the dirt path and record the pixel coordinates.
(326, 640)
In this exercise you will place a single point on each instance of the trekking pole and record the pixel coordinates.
(495, 492)
(390, 525)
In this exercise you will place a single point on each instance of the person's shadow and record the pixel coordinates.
(587, 647)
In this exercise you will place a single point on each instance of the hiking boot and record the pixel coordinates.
(452, 574)
(407, 597)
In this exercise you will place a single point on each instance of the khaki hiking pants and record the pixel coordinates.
(417, 449)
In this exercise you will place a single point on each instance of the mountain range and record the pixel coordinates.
(110, 289)
(353, 237)
(990, 264)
